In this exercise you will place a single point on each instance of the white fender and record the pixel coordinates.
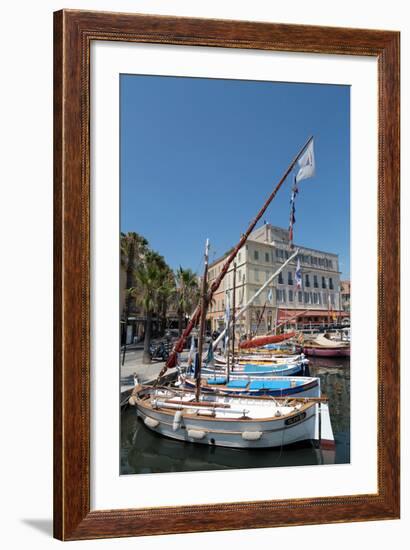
(251, 436)
(196, 434)
(151, 422)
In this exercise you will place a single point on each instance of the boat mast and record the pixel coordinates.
(233, 316)
(204, 305)
(215, 285)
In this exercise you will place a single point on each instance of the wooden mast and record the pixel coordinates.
(215, 285)
(204, 304)
(233, 315)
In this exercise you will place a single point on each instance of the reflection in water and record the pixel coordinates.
(143, 451)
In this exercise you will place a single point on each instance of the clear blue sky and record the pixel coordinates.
(200, 156)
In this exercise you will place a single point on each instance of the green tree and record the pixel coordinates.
(133, 249)
(165, 298)
(147, 275)
(187, 294)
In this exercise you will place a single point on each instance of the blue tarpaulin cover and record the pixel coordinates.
(237, 384)
(273, 384)
(216, 380)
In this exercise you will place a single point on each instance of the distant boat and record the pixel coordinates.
(260, 358)
(320, 351)
(325, 347)
(277, 386)
(251, 369)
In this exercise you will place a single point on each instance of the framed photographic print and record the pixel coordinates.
(226, 335)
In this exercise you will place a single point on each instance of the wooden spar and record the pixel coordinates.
(251, 300)
(289, 398)
(233, 316)
(204, 303)
(179, 346)
(263, 340)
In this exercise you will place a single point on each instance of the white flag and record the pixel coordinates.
(191, 353)
(227, 317)
(306, 164)
(298, 275)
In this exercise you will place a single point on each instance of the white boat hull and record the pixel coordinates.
(298, 425)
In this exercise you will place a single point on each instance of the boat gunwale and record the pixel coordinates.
(304, 407)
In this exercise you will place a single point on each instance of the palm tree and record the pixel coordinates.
(187, 293)
(148, 282)
(166, 293)
(133, 248)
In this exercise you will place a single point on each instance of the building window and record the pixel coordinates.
(300, 297)
(256, 255)
(280, 295)
(323, 282)
(315, 283)
(267, 259)
(290, 294)
(256, 275)
(319, 297)
(307, 280)
(307, 298)
(280, 278)
(290, 278)
(330, 283)
(330, 264)
(315, 298)
(332, 299)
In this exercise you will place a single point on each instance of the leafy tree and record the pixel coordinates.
(133, 249)
(187, 293)
(148, 282)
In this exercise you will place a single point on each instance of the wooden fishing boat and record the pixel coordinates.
(276, 386)
(251, 369)
(226, 421)
(325, 347)
(319, 351)
(260, 359)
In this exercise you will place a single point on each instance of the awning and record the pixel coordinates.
(298, 314)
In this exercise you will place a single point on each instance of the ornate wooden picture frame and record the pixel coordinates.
(74, 32)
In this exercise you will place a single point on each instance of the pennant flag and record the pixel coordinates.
(191, 351)
(298, 275)
(227, 318)
(210, 354)
(306, 164)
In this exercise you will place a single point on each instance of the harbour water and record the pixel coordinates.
(143, 451)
